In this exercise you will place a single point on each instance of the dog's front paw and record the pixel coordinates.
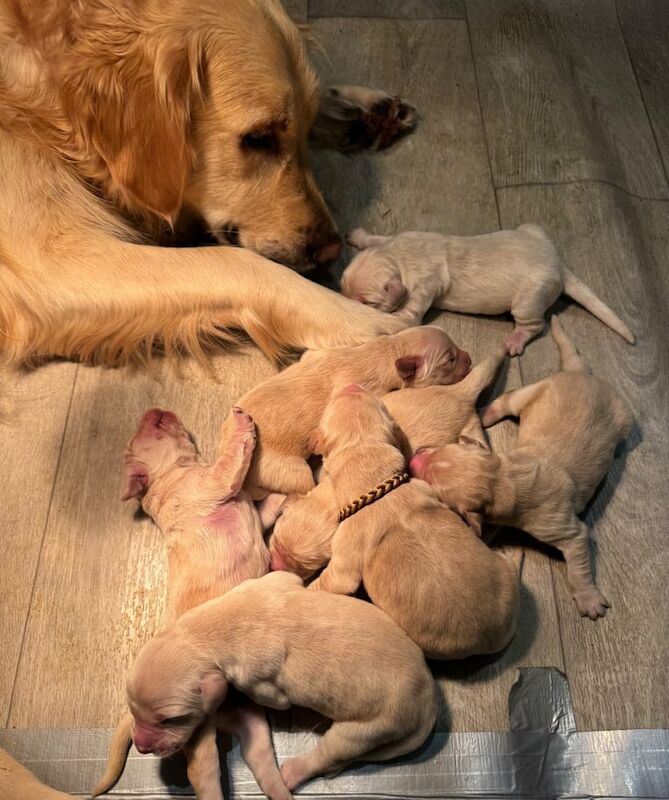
(294, 772)
(591, 603)
(355, 118)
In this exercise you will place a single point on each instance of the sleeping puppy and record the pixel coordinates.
(517, 270)
(418, 560)
(287, 407)
(428, 417)
(284, 646)
(214, 541)
(570, 424)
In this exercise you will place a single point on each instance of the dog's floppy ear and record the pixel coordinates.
(397, 292)
(132, 114)
(213, 688)
(136, 480)
(408, 366)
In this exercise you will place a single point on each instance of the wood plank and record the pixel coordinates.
(30, 444)
(398, 9)
(559, 97)
(438, 179)
(645, 26)
(99, 591)
(618, 245)
(297, 10)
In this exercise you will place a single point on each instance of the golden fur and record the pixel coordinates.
(117, 119)
(430, 416)
(283, 646)
(287, 407)
(418, 561)
(570, 424)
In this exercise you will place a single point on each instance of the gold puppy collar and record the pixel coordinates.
(376, 494)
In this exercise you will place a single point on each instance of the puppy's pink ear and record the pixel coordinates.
(213, 688)
(136, 480)
(397, 292)
(408, 366)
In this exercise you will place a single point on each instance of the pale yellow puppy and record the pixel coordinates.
(428, 417)
(287, 408)
(284, 646)
(418, 560)
(214, 542)
(514, 270)
(570, 424)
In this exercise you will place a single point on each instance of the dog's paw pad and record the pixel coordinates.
(591, 603)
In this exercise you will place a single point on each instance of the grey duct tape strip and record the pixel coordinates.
(543, 756)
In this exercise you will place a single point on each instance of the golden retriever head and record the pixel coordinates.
(203, 105)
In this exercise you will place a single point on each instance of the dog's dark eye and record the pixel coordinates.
(262, 141)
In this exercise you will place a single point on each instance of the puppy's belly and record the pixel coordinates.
(474, 302)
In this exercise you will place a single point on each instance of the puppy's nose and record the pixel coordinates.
(143, 747)
(417, 463)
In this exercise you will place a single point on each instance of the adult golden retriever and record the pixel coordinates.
(121, 119)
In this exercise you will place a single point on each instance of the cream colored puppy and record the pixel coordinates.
(284, 646)
(570, 424)
(287, 407)
(516, 270)
(429, 417)
(419, 562)
(214, 542)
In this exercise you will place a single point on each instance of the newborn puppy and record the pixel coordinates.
(570, 424)
(287, 407)
(418, 560)
(214, 542)
(427, 417)
(517, 271)
(284, 646)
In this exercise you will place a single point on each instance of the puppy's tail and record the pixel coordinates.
(361, 239)
(570, 361)
(577, 290)
(118, 755)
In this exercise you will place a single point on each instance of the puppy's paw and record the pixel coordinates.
(515, 344)
(386, 121)
(591, 603)
(489, 415)
(294, 772)
(358, 238)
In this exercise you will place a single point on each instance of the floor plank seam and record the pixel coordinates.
(483, 126)
(41, 547)
(641, 94)
(577, 181)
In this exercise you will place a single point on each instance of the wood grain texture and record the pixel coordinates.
(399, 9)
(616, 666)
(297, 10)
(437, 178)
(559, 97)
(30, 444)
(645, 26)
(99, 591)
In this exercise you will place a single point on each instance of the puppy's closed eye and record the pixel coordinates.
(173, 722)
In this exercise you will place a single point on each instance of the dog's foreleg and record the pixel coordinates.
(249, 724)
(238, 439)
(203, 765)
(509, 404)
(343, 575)
(114, 303)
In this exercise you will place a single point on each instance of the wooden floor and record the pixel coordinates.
(550, 111)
